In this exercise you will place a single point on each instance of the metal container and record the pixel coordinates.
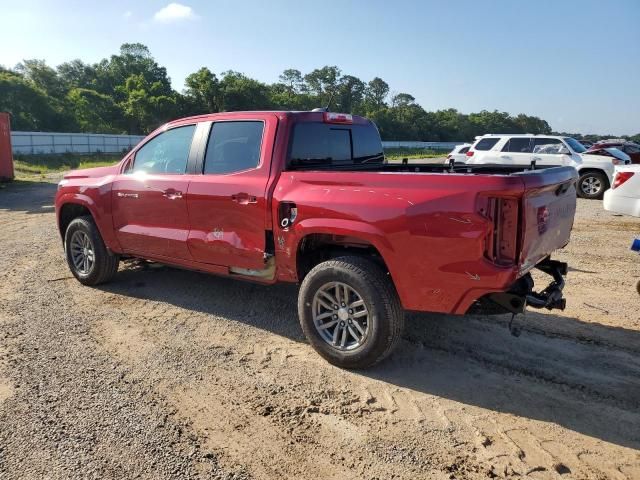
(6, 157)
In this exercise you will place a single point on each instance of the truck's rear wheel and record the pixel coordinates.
(592, 185)
(87, 256)
(350, 312)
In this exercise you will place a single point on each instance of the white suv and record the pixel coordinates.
(596, 171)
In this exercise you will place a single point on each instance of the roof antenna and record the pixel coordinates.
(325, 109)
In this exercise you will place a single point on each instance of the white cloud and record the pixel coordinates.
(174, 12)
(127, 15)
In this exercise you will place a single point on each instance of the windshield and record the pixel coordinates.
(575, 145)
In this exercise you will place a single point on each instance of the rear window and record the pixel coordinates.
(323, 145)
(518, 145)
(486, 144)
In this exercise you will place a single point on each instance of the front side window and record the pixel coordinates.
(233, 147)
(464, 150)
(518, 145)
(165, 153)
(549, 146)
(486, 144)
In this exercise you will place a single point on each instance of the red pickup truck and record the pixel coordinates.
(308, 197)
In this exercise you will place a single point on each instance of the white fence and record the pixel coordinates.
(34, 143)
(428, 145)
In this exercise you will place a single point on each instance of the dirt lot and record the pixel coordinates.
(173, 374)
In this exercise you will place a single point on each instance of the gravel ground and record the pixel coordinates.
(173, 374)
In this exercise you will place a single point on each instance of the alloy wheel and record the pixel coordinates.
(340, 316)
(82, 252)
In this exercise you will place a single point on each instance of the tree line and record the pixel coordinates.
(130, 92)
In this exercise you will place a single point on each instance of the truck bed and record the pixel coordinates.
(447, 237)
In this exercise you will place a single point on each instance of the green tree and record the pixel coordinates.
(203, 88)
(77, 74)
(240, 92)
(146, 104)
(323, 81)
(350, 92)
(376, 92)
(402, 100)
(42, 76)
(94, 112)
(30, 107)
(293, 81)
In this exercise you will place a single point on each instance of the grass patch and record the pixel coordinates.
(400, 153)
(35, 165)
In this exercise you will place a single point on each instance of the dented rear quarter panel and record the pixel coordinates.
(425, 226)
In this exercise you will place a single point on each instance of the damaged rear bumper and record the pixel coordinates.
(522, 293)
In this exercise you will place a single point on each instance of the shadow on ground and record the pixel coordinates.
(27, 196)
(585, 382)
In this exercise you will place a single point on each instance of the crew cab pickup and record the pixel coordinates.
(308, 197)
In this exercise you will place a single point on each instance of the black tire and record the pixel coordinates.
(591, 178)
(385, 319)
(105, 263)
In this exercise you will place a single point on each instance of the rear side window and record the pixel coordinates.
(322, 144)
(486, 144)
(233, 147)
(518, 145)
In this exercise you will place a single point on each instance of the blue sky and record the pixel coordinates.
(574, 63)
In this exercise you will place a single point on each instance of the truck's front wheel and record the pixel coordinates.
(350, 312)
(88, 258)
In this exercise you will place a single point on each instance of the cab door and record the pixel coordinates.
(227, 201)
(517, 151)
(550, 152)
(149, 201)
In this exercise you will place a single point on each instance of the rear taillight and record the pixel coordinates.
(621, 177)
(501, 246)
(345, 118)
(469, 153)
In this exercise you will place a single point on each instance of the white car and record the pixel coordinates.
(624, 195)
(458, 154)
(596, 171)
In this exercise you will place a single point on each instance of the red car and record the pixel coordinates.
(630, 148)
(308, 197)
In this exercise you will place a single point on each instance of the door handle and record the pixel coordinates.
(244, 198)
(172, 194)
(506, 157)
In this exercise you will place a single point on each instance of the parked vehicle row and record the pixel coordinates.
(308, 197)
(545, 151)
(631, 149)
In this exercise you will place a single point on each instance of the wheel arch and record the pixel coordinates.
(72, 206)
(314, 248)
(69, 211)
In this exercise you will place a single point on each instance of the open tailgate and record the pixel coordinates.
(548, 209)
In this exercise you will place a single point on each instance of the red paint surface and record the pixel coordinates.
(6, 157)
(431, 229)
